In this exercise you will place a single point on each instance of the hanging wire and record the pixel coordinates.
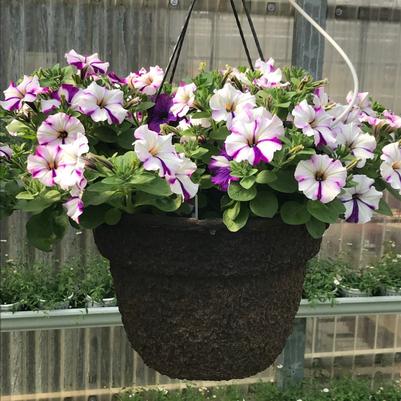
(342, 54)
(255, 36)
(241, 33)
(177, 49)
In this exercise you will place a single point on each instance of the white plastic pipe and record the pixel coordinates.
(342, 54)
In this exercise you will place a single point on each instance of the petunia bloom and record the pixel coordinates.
(60, 164)
(59, 129)
(271, 75)
(102, 104)
(156, 151)
(320, 97)
(390, 169)
(315, 122)
(361, 200)
(147, 82)
(255, 136)
(363, 104)
(74, 208)
(228, 101)
(46, 164)
(220, 170)
(6, 152)
(321, 178)
(361, 145)
(392, 119)
(88, 65)
(16, 95)
(183, 100)
(161, 113)
(180, 182)
(66, 92)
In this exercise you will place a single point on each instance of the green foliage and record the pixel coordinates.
(43, 286)
(239, 193)
(326, 212)
(294, 213)
(47, 227)
(236, 216)
(265, 204)
(346, 389)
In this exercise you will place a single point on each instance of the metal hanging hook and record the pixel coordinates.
(342, 54)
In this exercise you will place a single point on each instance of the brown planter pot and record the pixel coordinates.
(201, 303)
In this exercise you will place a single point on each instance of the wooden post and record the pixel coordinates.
(308, 44)
(308, 53)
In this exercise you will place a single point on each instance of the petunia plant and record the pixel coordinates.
(83, 146)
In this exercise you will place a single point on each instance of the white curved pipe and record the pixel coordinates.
(342, 54)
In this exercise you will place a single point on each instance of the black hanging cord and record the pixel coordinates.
(177, 49)
(173, 60)
(241, 33)
(255, 36)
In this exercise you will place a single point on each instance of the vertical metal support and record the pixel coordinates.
(308, 44)
(308, 53)
(291, 361)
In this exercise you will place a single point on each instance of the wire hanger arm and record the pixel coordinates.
(342, 54)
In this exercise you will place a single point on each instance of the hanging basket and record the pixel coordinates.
(201, 303)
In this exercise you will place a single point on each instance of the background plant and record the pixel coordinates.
(336, 390)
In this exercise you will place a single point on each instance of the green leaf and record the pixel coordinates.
(384, 208)
(316, 228)
(326, 212)
(25, 195)
(248, 182)
(93, 216)
(126, 164)
(240, 221)
(266, 177)
(97, 198)
(285, 182)
(39, 232)
(165, 204)
(105, 134)
(233, 211)
(219, 134)
(112, 216)
(142, 178)
(201, 114)
(265, 204)
(126, 139)
(39, 203)
(394, 192)
(144, 106)
(60, 224)
(44, 229)
(52, 196)
(100, 186)
(199, 153)
(205, 182)
(238, 193)
(158, 187)
(294, 213)
(113, 180)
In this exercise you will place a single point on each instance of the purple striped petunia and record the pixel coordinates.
(255, 136)
(321, 178)
(102, 104)
(16, 95)
(361, 200)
